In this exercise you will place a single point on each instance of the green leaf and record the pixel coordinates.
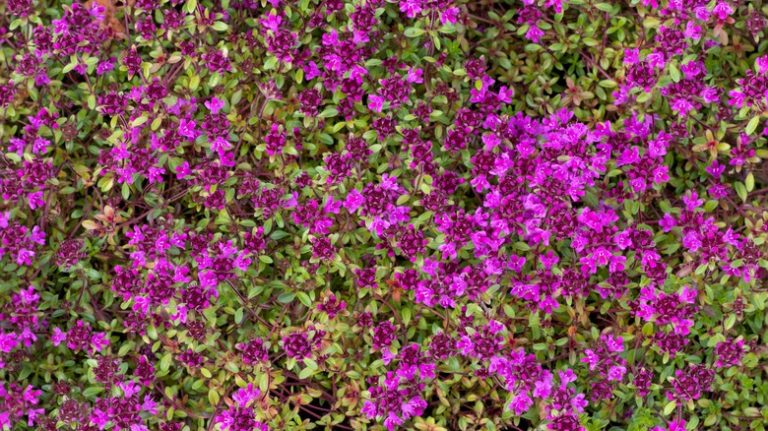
(749, 182)
(165, 361)
(286, 297)
(406, 315)
(752, 125)
(223, 218)
(651, 22)
(741, 190)
(669, 407)
(213, 397)
(648, 329)
(414, 32)
(191, 6)
(329, 112)
(589, 41)
(605, 7)
(304, 299)
(194, 82)
(70, 66)
(270, 63)
(139, 121)
(156, 123)
(220, 26)
(92, 391)
(674, 72)
(306, 373)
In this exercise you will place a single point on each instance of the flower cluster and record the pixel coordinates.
(378, 215)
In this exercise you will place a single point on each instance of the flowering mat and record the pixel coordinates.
(430, 215)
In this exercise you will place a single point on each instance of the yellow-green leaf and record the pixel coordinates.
(213, 397)
(752, 125)
(749, 182)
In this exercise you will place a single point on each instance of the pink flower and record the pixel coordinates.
(187, 129)
(688, 294)
(411, 8)
(214, 105)
(450, 15)
(762, 64)
(245, 396)
(736, 98)
(392, 421)
(667, 222)
(722, 10)
(566, 376)
(353, 201)
(631, 56)
(661, 174)
(616, 373)
(506, 94)
(220, 145)
(677, 425)
(182, 171)
(35, 200)
(520, 404)
(693, 31)
(375, 103)
(129, 388)
(534, 33)
(271, 22)
(491, 141)
(702, 13)
(8, 342)
(99, 342)
(590, 358)
(550, 259)
(692, 201)
(415, 76)
(58, 336)
(149, 405)
(40, 145)
(615, 344)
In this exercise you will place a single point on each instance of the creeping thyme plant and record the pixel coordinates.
(437, 215)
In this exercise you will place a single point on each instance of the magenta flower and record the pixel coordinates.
(375, 103)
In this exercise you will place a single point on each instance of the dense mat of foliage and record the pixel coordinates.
(374, 214)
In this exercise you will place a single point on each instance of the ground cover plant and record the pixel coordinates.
(374, 214)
